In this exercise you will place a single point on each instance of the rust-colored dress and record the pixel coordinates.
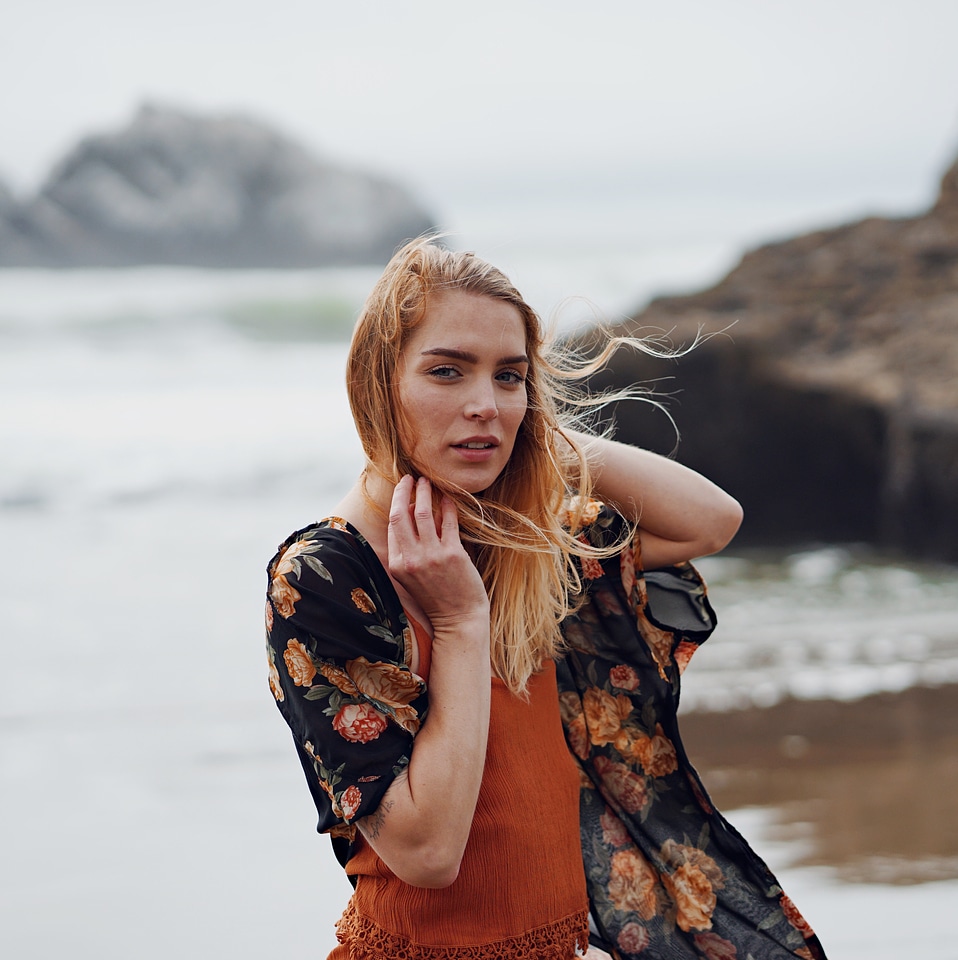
(521, 888)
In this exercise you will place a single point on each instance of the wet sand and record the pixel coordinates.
(866, 787)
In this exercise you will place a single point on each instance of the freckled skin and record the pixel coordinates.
(461, 378)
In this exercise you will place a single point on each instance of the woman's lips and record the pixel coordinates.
(476, 449)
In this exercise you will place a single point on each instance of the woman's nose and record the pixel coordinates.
(482, 405)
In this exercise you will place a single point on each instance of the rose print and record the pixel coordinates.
(294, 550)
(385, 682)
(715, 947)
(658, 641)
(589, 512)
(683, 654)
(285, 596)
(299, 664)
(362, 600)
(626, 787)
(570, 709)
(579, 738)
(633, 938)
(632, 884)
(655, 753)
(795, 918)
(350, 801)
(693, 897)
(624, 743)
(339, 678)
(675, 854)
(613, 830)
(604, 714)
(359, 722)
(591, 568)
(623, 677)
(275, 685)
(407, 718)
(570, 706)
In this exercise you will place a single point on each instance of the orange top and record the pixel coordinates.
(521, 886)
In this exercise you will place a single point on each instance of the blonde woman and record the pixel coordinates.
(480, 681)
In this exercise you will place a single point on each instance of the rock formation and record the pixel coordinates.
(7, 203)
(829, 404)
(177, 188)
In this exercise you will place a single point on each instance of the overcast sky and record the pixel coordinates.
(842, 98)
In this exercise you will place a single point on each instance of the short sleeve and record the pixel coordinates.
(338, 643)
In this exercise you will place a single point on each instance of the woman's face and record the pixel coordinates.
(461, 384)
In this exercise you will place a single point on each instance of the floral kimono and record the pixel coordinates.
(667, 876)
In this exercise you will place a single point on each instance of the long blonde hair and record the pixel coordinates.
(522, 540)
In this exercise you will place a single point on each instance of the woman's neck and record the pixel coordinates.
(366, 507)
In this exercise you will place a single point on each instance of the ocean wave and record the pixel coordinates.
(829, 623)
(105, 305)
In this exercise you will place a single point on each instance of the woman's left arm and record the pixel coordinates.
(681, 515)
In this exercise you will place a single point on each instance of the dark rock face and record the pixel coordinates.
(830, 408)
(175, 188)
(7, 203)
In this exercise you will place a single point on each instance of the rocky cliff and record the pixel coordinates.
(829, 405)
(7, 202)
(178, 188)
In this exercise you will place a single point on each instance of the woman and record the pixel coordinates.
(483, 803)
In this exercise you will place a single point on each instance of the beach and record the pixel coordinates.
(852, 804)
(162, 432)
(868, 785)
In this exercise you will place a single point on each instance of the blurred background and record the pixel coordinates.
(195, 199)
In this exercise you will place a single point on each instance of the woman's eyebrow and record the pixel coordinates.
(468, 357)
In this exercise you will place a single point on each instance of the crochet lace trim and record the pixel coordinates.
(366, 940)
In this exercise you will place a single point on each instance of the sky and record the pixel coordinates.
(844, 105)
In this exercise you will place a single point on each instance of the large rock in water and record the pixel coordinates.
(177, 188)
(830, 407)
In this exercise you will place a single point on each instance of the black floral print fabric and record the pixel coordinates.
(668, 876)
(339, 646)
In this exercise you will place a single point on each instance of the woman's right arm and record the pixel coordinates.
(422, 824)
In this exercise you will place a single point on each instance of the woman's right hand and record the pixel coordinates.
(422, 824)
(428, 559)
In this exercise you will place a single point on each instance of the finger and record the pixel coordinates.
(424, 513)
(399, 532)
(449, 519)
(402, 496)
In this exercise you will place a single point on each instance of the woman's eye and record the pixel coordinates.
(444, 373)
(511, 377)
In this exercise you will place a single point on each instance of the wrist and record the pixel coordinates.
(463, 632)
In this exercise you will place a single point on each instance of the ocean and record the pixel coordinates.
(162, 430)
